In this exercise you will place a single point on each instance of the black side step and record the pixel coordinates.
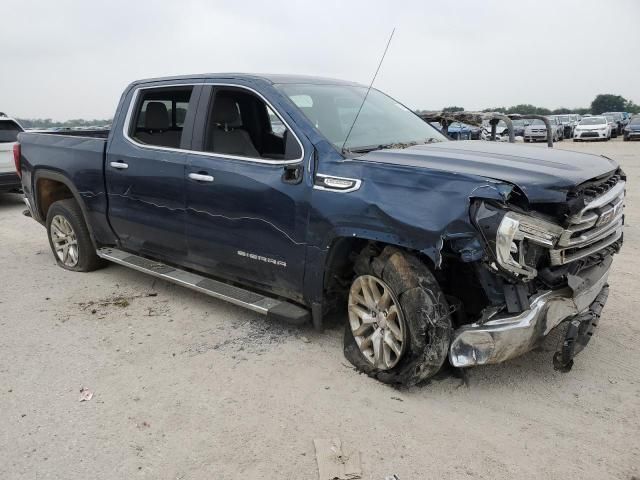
(271, 307)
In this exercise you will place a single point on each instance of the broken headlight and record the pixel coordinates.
(517, 241)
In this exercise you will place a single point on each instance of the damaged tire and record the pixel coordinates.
(399, 326)
(69, 238)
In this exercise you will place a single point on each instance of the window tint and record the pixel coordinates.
(240, 123)
(160, 115)
(9, 131)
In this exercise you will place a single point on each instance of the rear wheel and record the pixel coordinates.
(399, 326)
(69, 237)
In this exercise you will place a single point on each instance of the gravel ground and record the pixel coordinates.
(187, 387)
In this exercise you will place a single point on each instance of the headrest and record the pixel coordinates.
(156, 116)
(225, 111)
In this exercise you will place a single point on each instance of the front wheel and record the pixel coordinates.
(69, 237)
(399, 327)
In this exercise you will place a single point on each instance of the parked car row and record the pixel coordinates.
(571, 126)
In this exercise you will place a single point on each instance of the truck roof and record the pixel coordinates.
(270, 78)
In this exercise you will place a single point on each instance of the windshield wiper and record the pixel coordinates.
(387, 146)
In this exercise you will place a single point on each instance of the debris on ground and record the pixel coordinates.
(305, 339)
(85, 394)
(121, 301)
(335, 462)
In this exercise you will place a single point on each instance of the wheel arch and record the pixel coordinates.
(49, 187)
(339, 262)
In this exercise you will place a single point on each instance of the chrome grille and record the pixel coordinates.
(597, 226)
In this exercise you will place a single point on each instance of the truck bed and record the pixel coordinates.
(77, 156)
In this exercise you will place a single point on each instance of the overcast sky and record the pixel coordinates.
(67, 59)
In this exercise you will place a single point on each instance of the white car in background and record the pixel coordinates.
(9, 130)
(592, 128)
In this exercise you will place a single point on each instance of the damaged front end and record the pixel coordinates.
(543, 266)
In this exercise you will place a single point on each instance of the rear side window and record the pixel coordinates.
(159, 116)
(9, 131)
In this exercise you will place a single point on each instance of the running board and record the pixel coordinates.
(273, 308)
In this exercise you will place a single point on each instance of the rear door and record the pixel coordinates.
(145, 170)
(247, 193)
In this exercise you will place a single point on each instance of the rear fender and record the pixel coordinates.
(38, 213)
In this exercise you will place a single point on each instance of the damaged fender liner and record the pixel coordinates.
(579, 331)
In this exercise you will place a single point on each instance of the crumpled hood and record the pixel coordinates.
(543, 174)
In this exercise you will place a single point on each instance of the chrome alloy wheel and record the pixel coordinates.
(377, 322)
(65, 242)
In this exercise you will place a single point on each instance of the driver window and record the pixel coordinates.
(241, 124)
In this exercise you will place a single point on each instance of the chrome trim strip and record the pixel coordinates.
(356, 186)
(615, 192)
(593, 235)
(134, 99)
(558, 257)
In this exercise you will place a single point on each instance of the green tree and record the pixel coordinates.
(561, 111)
(453, 109)
(607, 102)
(631, 107)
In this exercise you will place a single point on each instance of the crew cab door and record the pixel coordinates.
(246, 196)
(145, 171)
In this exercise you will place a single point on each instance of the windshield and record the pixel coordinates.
(635, 121)
(9, 131)
(564, 118)
(382, 122)
(592, 121)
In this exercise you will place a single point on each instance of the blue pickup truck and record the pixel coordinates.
(291, 197)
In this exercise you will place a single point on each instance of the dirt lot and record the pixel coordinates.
(187, 387)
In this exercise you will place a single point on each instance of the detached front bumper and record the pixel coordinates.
(506, 337)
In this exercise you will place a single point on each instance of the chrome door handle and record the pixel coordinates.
(200, 177)
(120, 165)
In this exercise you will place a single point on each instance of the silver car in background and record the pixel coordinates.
(537, 131)
(568, 124)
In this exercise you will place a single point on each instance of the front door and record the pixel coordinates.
(145, 172)
(246, 196)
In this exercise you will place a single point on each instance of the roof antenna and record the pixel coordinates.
(368, 89)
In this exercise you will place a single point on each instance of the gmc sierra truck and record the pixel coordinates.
(293, 197)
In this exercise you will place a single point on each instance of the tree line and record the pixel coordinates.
(49, 123)
(605, 102)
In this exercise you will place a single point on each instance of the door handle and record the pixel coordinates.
(119, 164)
(201, 177)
